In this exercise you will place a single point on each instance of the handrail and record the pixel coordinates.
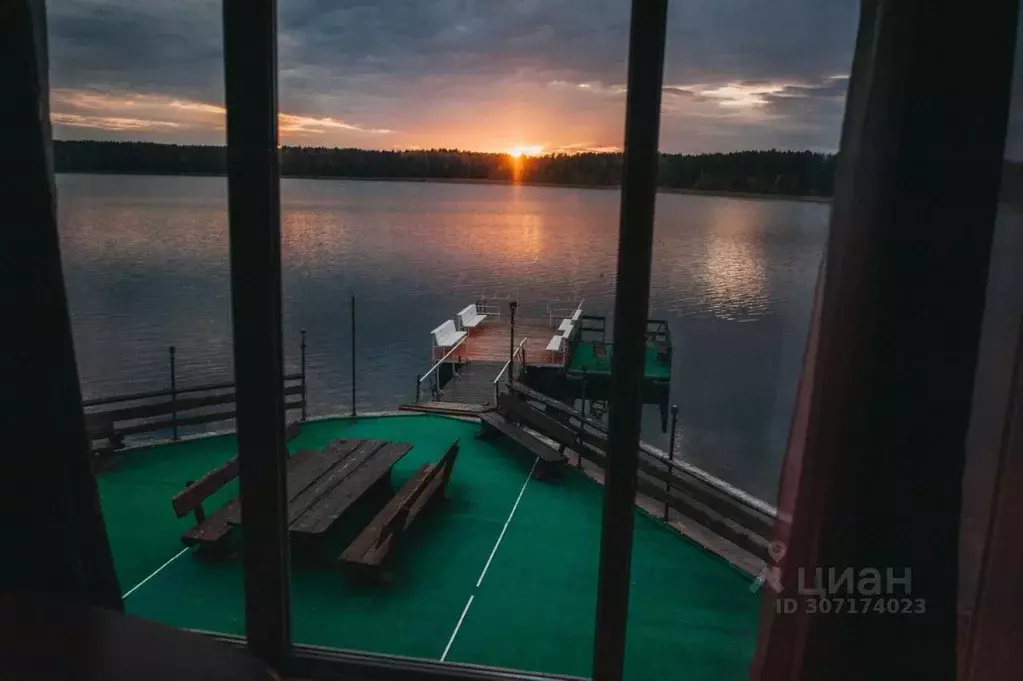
(553, 311)
(442, 360)
(506, 364)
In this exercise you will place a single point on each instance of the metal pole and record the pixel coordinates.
(671, 459)
(632, 301)
(304, 394)
(583, 394)
(419, 379)
(511, 343)
(254, 212)
(174, 396)
(353, 355)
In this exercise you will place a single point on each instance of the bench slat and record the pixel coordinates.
(329, 507)
(344, 467)
(216, 526)
(379, 537)
(316, 464)
(190, 498)
(370, 536)
(189, 421)
(517, 410)
(535, 446)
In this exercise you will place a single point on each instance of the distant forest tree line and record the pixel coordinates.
(790, 173)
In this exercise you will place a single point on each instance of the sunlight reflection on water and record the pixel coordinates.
(146, 264)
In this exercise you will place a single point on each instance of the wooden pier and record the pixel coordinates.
(492, 342)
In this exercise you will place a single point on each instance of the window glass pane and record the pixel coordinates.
(145, 257)
(504, 572)
(751, 115)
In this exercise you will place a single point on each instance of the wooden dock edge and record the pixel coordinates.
(446, 408)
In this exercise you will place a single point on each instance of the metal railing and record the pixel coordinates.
(521, 350)
(560, 312)
(422, 377)
(491, 305)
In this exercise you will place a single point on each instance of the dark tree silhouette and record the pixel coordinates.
(760, 172)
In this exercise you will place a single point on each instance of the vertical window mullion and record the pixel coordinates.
(632, 300)
(253, 180)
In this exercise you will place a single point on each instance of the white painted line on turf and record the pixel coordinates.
(155, 572)
(458, 626)
(505, 528)
(493, 551)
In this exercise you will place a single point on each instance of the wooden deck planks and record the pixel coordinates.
(330, 506)
(347, 465)
(303, 473)
(491, 342)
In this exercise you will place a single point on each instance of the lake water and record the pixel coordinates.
(146, 266)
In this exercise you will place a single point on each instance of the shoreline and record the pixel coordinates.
(486, 181)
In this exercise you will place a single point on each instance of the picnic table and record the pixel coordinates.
(321, 486)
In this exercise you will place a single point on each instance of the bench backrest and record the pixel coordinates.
(434, 482)
(444, 330)
(195, 493)
(109, 420)
(468, 313)
(192, 497)
(515, 409)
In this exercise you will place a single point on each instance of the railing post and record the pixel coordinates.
(511, 343)
(304, 393)
(174, 396)
(671, 459)
(419, 379)
(353, 355)
(583, 394)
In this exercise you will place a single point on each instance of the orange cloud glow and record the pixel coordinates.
(125, 112)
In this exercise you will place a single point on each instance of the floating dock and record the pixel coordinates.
(565, 354)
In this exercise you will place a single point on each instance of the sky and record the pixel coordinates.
(532, 76)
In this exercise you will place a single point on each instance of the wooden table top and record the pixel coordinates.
(322, 485)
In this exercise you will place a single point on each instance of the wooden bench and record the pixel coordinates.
(109, 420)
(211, 530)
(550, 460)
(470, 318)
(366, 554)
(446, 336)
(312, 513)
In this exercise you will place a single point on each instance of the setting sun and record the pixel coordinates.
(521, 151)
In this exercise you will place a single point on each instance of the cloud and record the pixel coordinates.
(109, 112)
(483, 74)
(111, 123)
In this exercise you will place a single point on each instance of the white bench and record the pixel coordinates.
(470, 318)
(446, 335)
(577, 314)
(565, 325)
(555, 344)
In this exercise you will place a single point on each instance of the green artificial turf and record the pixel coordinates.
(583, 359)
(692, 616)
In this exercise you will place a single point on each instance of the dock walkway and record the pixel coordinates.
(474, 384)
